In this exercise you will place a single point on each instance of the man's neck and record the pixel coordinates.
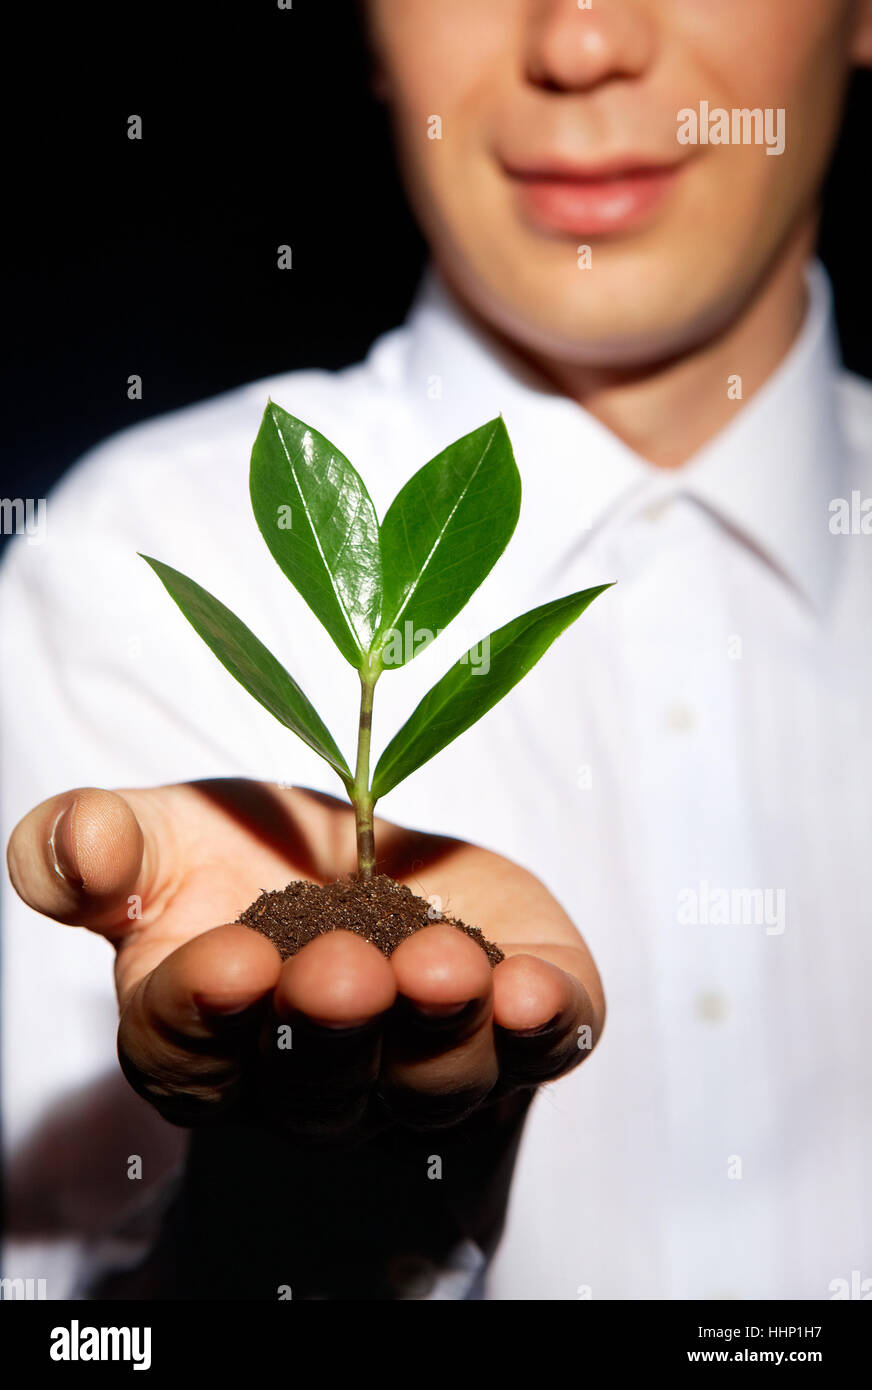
(668, 411)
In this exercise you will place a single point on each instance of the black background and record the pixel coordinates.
(158, 257)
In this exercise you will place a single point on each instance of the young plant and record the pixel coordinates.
(376, 586)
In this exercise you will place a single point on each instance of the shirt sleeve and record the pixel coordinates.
(102, 683)
(82, 1152)
(99, 686)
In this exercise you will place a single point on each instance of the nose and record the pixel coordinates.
(569, 48)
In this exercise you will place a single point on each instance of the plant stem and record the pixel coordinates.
(359, 793)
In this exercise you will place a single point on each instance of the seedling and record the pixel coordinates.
(377, 588)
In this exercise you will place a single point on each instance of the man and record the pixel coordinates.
(687, 770)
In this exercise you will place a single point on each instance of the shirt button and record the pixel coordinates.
(711, 1006)
(655, 511)
(680, 718)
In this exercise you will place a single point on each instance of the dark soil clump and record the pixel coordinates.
(379, 909)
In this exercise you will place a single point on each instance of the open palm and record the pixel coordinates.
(422, 1039)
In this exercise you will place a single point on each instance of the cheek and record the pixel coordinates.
(762, 52)
(777, 55)
(439, 55)
(446, 76)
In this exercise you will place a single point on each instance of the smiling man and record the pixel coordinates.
(645, 313)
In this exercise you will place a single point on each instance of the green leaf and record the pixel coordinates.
(465, 693)
(443, 533)
(318, 520)
(246, 658)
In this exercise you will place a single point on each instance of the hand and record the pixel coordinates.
(423, 1039)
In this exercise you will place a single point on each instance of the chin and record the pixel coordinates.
(609, 329)
(638, 304)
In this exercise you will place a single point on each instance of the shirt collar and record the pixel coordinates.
(459, 375)
(772, 472)
(768, 476)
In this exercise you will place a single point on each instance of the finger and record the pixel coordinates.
(439, 1059)
(545, 1022)
(188, 1031)
(321, 1046)
(78, 857)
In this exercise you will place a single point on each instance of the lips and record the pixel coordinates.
(593, 201)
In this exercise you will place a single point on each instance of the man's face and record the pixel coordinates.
(559, 131)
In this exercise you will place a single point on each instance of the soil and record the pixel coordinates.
(379, 909)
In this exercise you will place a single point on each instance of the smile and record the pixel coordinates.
(593, 203)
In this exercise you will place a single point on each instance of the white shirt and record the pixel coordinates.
(687, 769)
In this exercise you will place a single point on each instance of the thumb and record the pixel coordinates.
(79, 857)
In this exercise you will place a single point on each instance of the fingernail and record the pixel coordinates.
(62, 847)
(539, 1029)
(440, 1010)
(340, 1030)
(225, 1007)
(437, 1016)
